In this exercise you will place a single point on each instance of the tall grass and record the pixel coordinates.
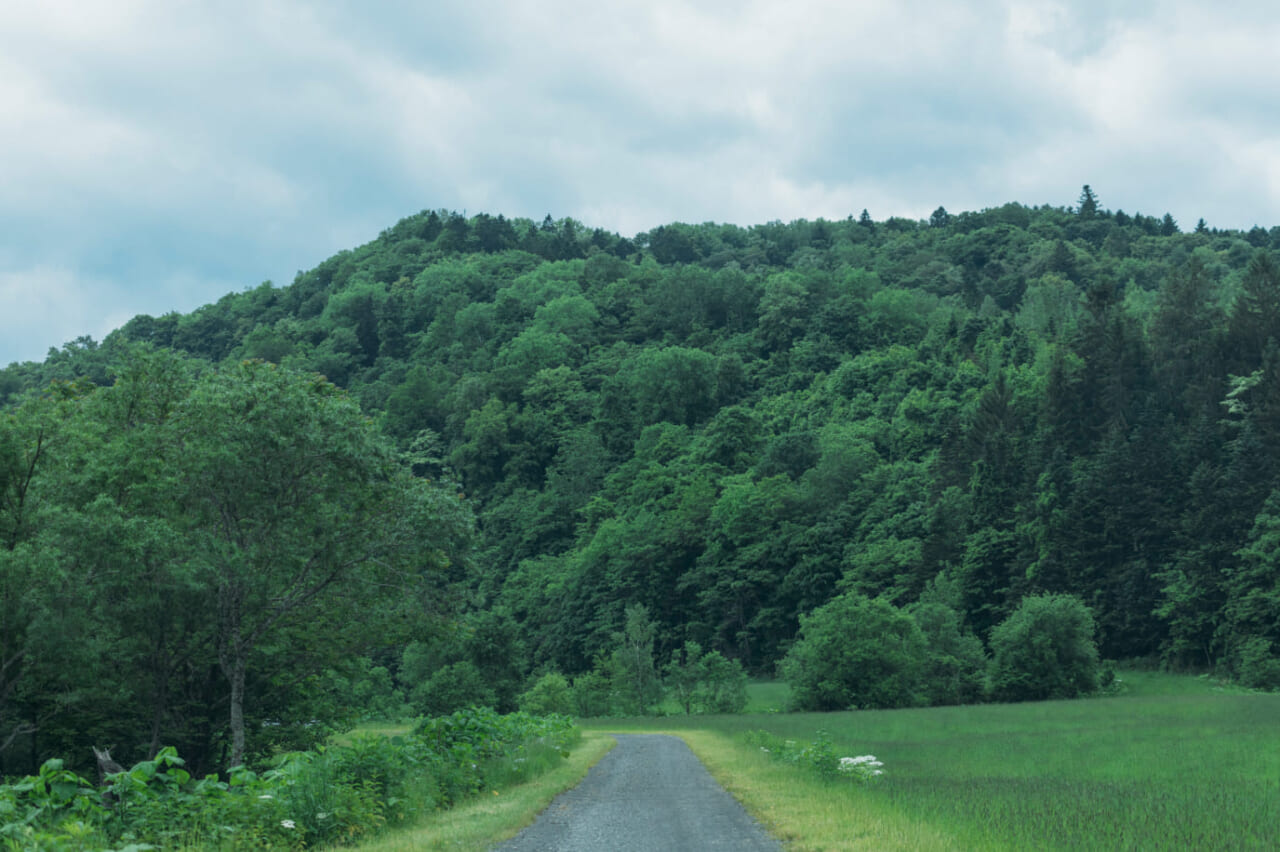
(489, 819)
(1175, 764)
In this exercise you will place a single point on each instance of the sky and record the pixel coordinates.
(156, 154)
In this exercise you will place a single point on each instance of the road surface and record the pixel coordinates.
(648, 793)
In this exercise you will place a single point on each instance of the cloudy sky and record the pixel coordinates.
(157, 154)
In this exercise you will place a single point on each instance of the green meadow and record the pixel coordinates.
(1171, 763)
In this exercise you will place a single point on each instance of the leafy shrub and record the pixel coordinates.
(551, 693)
(452, 688)
(1044, 650)
(490, 733)
(55, 808)
(373, 692)
(856, 652)
(819, 756)
(956, 666)
(1256, 666)
(400, 771)
(327, 796)
(592, 695)
(706, 682)
(323, 806)
(725, 688)
(684, 673)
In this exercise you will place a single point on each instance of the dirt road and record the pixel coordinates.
(649, 793)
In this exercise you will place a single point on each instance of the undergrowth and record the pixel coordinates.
(332, 796)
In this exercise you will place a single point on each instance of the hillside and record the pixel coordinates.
(730, 425)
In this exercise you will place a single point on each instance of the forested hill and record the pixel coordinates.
(730, 425)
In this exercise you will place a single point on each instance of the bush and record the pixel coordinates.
(853, 652)
(310, 799)
(956, 667)
(551, 693)
(1044, 650)
(819, 756)
(367, 692)
(1256, 666)
(724, 685)
(324, 807)
(706, 683)
(592, 695)
(452, 688)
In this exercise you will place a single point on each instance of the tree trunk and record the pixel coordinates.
(236, 676)
(158, 707)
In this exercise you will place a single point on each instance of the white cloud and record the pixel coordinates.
(46, 306)
(145, 143)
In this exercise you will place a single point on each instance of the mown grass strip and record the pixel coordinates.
(490, 819)
(804, 811)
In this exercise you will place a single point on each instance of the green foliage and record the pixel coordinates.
(323, 805)
(1254, 608)
(1045, 650)
(451, 688)
(592, 695)
(551, 693)
(956, 666)
(332, 796)
(248, 521)
(631, 668)
(706, 682)
(1257, 663)
(729, 426)
(856, 652)
(818, 756)
(370, 690)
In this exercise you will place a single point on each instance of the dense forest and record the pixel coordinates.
(728, 426)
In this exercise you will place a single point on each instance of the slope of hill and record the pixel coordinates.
(730, 425)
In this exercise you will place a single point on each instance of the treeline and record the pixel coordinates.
(731, 426)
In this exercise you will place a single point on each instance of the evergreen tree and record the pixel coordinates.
(1088, 203)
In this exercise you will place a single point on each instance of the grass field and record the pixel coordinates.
(1175, 763)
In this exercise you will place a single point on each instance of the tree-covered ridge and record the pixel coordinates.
(732, 425)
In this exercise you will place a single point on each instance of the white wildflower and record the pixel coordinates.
(864, 766)
(288, 823)
(266, 796)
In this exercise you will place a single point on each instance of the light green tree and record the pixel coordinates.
(302, 522)
(631, 667)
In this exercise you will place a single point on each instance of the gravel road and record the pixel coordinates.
(648, 793)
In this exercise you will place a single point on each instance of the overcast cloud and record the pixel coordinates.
(156, 155)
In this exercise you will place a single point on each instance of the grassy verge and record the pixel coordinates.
(382, 729)
(491, 819)
(1175, 763)
(767, 696)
